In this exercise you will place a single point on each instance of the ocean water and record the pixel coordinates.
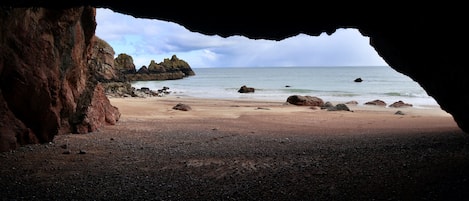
(335, 84)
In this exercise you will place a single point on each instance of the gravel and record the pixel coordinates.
(138, 160)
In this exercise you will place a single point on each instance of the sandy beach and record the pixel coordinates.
(273, 114)
(247, 149)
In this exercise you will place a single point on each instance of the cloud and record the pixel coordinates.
(148, 39)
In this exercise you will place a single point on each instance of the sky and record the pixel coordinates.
(150, 39)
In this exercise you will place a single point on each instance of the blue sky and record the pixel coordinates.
(148, 39)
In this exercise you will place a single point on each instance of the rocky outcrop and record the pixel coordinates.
(48, 86)
(103, 62)
(168, 69)
(95, 111)
(124, 63)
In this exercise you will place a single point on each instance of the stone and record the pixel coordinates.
(376, 102)
(305, 100)
(182, 107)
(400, 103)
(245, 89)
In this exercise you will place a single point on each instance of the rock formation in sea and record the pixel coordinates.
(168, 69)
(245, 89)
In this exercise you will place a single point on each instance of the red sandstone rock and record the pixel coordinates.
(47, 75)
(12, 131)
(99, 112)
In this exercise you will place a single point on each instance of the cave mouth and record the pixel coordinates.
(191, 158)
(342, 51)
(402, 41)
(68, 100)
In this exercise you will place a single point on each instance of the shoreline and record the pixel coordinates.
(432, 110)
(272, 114)
(335, 100)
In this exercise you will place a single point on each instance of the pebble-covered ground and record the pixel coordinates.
(219, 160)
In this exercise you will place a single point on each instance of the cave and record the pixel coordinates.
(415, 42)
(61, 95)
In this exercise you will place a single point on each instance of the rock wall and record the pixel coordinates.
(46, 82)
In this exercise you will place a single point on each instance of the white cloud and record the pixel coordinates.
(147, 39)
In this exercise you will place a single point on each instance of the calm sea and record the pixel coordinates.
(335, 84)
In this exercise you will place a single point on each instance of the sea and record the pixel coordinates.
(334, 84)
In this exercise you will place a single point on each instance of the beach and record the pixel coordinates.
(276, 112)
(247, 149)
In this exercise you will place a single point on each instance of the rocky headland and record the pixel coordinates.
(115, 74)
(168, 69)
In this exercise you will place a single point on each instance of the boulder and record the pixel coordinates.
(245, 89)
(400, 104)
(305, 100)
(376, 102)
(182, 107)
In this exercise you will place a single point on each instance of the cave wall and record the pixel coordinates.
(46, 85)
(429, 48)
